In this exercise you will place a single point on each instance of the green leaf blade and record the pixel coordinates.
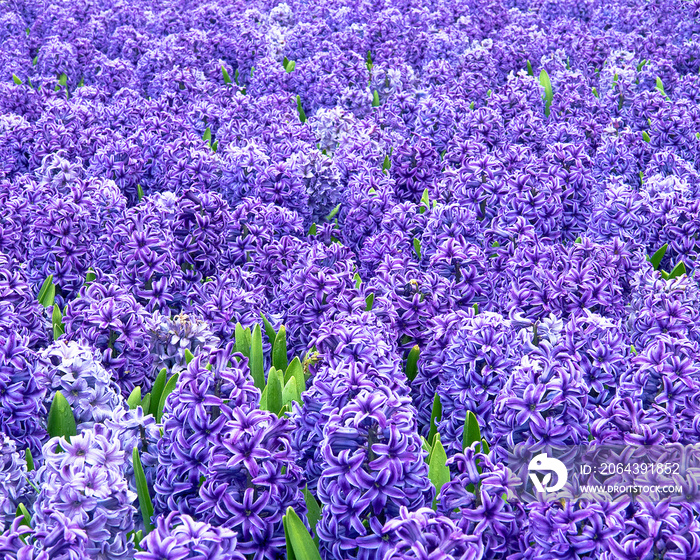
(299, 541)
(274, 401)
(269, 330)
(438, 471)
(47, 292)
(548, 93)
(412, 363)
(257, 360)
(156, 392)
(300, 110)
(435, 417)
(134, 399)
(471, 431)
(656, 258)
(279, 350)
(296, 370)
(169, 388)
(61, 421)
(144, 495)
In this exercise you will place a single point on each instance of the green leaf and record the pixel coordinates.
(57, 322)
(529, 69)
(144, 495)
(290, 392)
(269, 331)
(424, 202)
(263, 399)
(188, 356)
(412, 363)
(578, 240)
(279, 350)
(169, 388)
(257, 361)
(641, 65)
(368, 61)
(23, 512)
(435, 417)
(475, 307)
(427, 447)
(313, 510)
(29, 459)
(660, 86)
(35, 60)
(16, 80)
(485, 447)
(416, 247)
(369, 301)
(139, 192)
(242, 339)
(375, 99)
(656, 258)
(235, 77)
(134, 399)
(90, 276)
(207, 135)
(215, 146)
(312, 229)
(300, 109)
(678, 270)
(358, 280)
(296, 370)
(333, 212)
(300, 545)
(156, 392)
(138, 537)
(227, 78)
(386, 165)
(664, 274)
(146, 403)
(47, 292)
(645, 136)
(63, 79)
(61, 421)
(438, 472)
(471, 431)
(548, 94)
(274, 391)
(595, 92)
(633, 349)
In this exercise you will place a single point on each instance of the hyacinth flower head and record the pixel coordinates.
(77, 371)
(179, 536)
(15, 486)
(108, 317)
(478, 360)
(250, 481)
(170, 337)
(373, 464)
(21, 393)
(195, 414)
(424, 534)
(82, 479)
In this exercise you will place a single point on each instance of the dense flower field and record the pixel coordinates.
(281, 280)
